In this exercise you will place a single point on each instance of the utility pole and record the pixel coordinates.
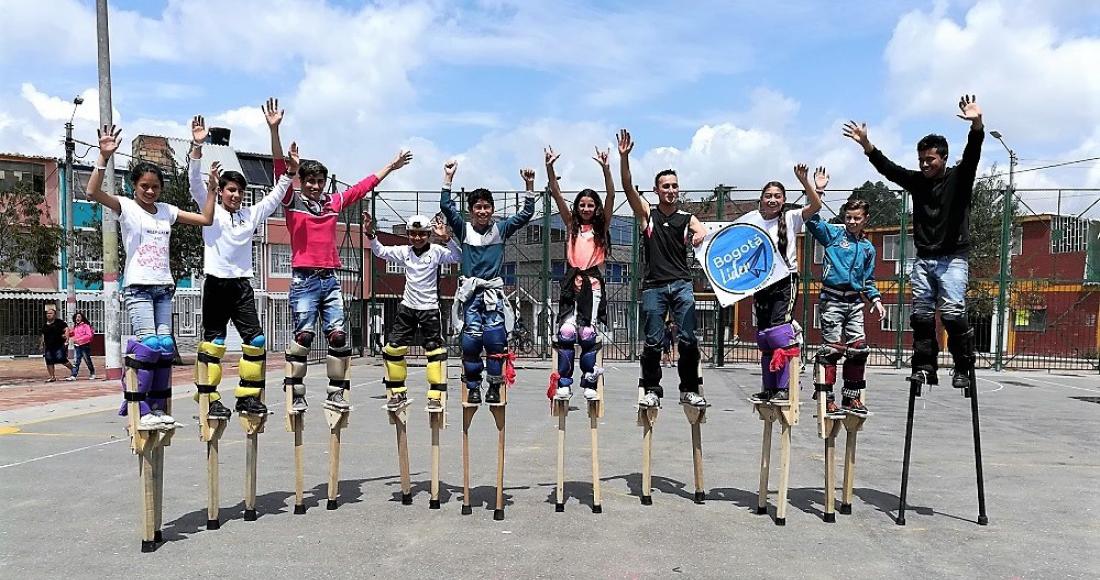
(70, 192)
(112, 332)
(1006, 252)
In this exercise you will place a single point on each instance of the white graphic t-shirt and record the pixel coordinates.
(794, 227)
(146, 237)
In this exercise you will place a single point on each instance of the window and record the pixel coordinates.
(508, 273)
(395, 268)
(1030, 320)
(557, 269)
(21, 174)
(1068, 234)
(445, 269)
(617, 273)
(280, 260)
(621, 231)
(557, 235)
(817, 317)
(350, 257)
(533, 234)
(819, 252)
(891, 248)
(893, 318)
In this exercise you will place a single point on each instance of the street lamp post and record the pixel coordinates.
(1006, 251)
(70, 191)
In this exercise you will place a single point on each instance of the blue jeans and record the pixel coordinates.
(940, 282)
(476, 317)
(83, 352)
(312, 294)
(482, 328)
(678, 299)
(150, 309)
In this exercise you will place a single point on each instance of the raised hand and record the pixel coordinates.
(858, 132)
(551, 157)
(821, 178)
(802, 172)
(626, 143)
(402, 159)
(368, 224)
(108, 140)
(968, 104)
(294, 159)
(272, 113)
(214, 177)
(440, 229)
(198, 129)
(449, 169)
(528, 175)
(601, 157)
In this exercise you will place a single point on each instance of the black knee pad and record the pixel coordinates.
(430, 345)
(955, 324)
(925, 346)
(337, 339)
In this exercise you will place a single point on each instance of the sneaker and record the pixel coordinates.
(831, 408)
(91, 377)
(960, 380)
(492, 394)
(253, 406)
(924, 376)
(855, 407)
(780, 396)
(650, 400)
(218, 410)
(563, 393)
(150, 421)
(298, 404)
(164, 417)
(70, 378)
(592, 394)
(693, 399)
(397, 401)
(473, 396)
(336, 400)
(435, 405)
(762, 396)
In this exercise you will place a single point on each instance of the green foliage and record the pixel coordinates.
(27, 244)
(886, 204)
(986, 222)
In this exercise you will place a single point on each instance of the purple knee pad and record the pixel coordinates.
(588, 333)
(568, 332)
(770, 339)
(146, 360)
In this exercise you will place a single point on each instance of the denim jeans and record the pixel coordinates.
(841, 322)
(150, 309)
(677, 298)
(476, 317)
(940, 281)
(312, 294)
(83, 352)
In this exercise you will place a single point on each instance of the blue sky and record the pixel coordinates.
(728, 92)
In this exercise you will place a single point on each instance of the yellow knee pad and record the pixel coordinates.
(252, 370)
(395, 367)
(208, 369)
(437, 368)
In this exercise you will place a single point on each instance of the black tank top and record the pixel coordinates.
(665, 248)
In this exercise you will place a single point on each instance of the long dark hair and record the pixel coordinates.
(83, 318)
(782, 232)
(599, 221)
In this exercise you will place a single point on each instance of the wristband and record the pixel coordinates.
(447, 185)
(103, 168)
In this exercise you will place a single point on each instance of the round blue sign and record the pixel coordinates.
(740, 258)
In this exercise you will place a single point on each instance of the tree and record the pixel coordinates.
(886, 205)
(186, 247)
(986, 221)
(28, 244)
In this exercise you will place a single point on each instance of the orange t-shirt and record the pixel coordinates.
(583, 253)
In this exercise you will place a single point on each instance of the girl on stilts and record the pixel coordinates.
(776, 333)
(582, 305)
(146, 233)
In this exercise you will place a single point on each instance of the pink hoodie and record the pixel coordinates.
(83, 333)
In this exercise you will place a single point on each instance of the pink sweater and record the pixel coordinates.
(83, 334)
(312, 225)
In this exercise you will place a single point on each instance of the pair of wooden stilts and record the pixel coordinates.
(437, 421)
(148, 445)
(210, 432)
(647, 419)
(560, 408)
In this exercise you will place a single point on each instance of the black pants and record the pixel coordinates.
(409, 321)
(225, 299)
(774, 305)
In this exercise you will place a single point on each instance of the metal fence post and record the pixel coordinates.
(634, 273)
(1003, 278)
(546, 330)
(903, 240)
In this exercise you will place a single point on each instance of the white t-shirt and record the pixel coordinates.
(421, 272)
(146, 237)
(227, 242)
(794, 226)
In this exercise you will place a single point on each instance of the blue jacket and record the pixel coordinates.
(483, 252)
(849, 263)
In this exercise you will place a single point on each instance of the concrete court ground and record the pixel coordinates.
(70, 491)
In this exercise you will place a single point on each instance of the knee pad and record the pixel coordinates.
(825, 364)
(338, 365)
(208, 369)
(166, 343)
(436, 373)
(588, 335)
(925, 345)
(396, 369)
(960, 341)
(651, 368)
(855, 362)
(337, 339)
(220, 341)
(296, 359)
(304, 338)
(141, 362)
(472, 365)
(567, 334)
(152, 341)
(258, 341)
(688, 366)
(495, 339)
(252, 370)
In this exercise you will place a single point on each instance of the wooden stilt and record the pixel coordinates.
(647, 418)
(595, 413)
(295, 423)
(833, 426)
(399, 419)
(765, 464)
(696, 416)
(560, 409)
(210, 431)
(786, 413)
(253, 425)
(468, 411)
(336, 420)
(437, 421)
(499, 412)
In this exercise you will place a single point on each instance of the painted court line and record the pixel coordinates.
(32, 460)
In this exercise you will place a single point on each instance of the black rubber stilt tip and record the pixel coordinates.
(780, 521)
(466, 510)
(498, 515)
(147, 547)
(300, 509)
(900, 521)
(647, 500)
(213, 524)
(983, 520)
(331, 505)
(559, 507)
(597, 509)
(433, 504)
(846, 509)
(249, 515)
(700, 497)
(762, 510)
(158, 537)
(829, 518)
(406, 499)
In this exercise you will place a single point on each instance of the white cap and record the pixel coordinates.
(419, 223)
